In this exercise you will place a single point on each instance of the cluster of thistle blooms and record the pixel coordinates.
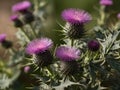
(27, 17)
(40, 48)
(21, 16)
(68, 55)
(22, 8)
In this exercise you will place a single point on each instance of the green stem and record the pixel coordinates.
(25, 34)
(96, 54)
(102, 14)
(36, 3)
(12, 50)
(49, 71)
(64, 79)
(33, 31)
(72, 42)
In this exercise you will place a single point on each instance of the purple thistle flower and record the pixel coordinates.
(40, 48)
(14, 17)
(17, 22)
(118, 15)
(2, 37)
(39, 45)
(76, 16)
(26, 69)
(93, 45)
(21, 6)
(106, 2)
(67, 53)
(5, 43)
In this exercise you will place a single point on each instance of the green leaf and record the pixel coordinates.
(92, 73)
(115, 64)
(17, 58)
(99, 68)
(109, 41)
(5, 81)
(67, 83)
(116, 45)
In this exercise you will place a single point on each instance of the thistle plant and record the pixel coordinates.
(85, 61)
(75, 19)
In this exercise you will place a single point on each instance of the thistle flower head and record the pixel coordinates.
(39, 45)
(14, 17)
(106, 2)
(67, 53)
(76, 16)
(2, 37)
(21, 6)
(93, 45)
(16, 20)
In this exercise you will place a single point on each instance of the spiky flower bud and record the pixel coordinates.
(76, 18)
(93, 45)
(16, 20)
(68, 56)
(5, 43)
(40, 48)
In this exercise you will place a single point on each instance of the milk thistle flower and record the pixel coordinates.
(5, 43)
(21, 6)
(106, 2)
(93, 45)
(16, 20)
(76, 18)
(2, 37)
(68, 56)
(40, 48)
(67, 53)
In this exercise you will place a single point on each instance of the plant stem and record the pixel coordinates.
(33, 31)
(102, 14)
(49, 71)
(72, 42)
(25, 34)
(12, 50)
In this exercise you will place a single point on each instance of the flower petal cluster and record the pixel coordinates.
(106, 2)
(67, 53)
(76, 16)
(39, 45)
(2, 37)
(21, 6)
